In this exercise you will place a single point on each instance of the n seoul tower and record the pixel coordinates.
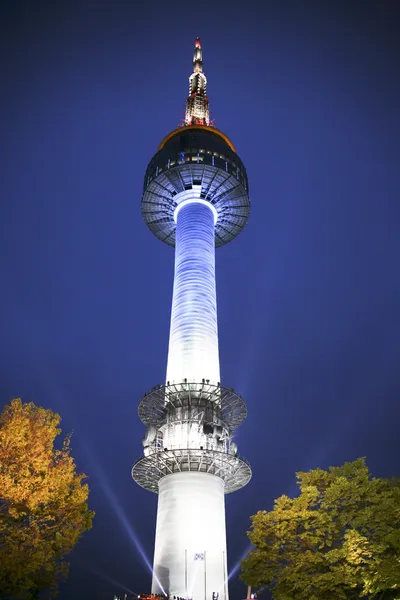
(195, 198)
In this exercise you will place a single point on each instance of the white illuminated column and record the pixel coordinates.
(193, 342)
(190, 545)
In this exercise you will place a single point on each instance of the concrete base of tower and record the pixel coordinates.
(190, 546)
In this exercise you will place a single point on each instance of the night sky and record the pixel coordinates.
(308, 294)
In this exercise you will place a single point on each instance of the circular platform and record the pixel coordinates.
(234, 471)
(153, 406)
(201, 159)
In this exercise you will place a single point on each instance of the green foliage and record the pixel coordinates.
(339, 539)
(43, 508)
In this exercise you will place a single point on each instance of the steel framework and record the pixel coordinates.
(223, 189)
(156, 404)
(233, 470)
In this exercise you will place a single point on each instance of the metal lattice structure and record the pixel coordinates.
(158, 402)
(233, 470)
(218, 187)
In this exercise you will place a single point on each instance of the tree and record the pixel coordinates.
(339, 539)
(43, 508)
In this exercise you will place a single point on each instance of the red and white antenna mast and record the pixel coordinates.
(197, 110)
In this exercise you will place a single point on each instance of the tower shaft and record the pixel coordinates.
(190, 546)
(193, 343)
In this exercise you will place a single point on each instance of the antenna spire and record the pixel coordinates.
(197, 110)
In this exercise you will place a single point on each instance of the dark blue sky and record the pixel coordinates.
(308, 294)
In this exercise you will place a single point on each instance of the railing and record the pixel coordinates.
(233, 470)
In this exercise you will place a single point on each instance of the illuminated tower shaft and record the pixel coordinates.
(193, 344)
(195, 198)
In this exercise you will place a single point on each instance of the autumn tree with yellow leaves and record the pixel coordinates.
(43, 502)
(338, 540)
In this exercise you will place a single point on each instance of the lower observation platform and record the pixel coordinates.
(234, 471)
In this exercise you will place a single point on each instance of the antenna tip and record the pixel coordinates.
(197, 43)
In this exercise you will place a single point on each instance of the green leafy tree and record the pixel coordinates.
(43, 508)
(338, 540)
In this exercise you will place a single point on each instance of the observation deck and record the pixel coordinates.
(233, 470)
(203, 414)
(212, 399)
(196, 155)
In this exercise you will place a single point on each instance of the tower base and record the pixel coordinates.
(190, 546)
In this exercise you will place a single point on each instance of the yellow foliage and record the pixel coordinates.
(43, 509)
(339, 539)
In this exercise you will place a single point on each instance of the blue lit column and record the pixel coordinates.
(193, 342)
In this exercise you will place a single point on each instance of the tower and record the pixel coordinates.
(195, 198)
